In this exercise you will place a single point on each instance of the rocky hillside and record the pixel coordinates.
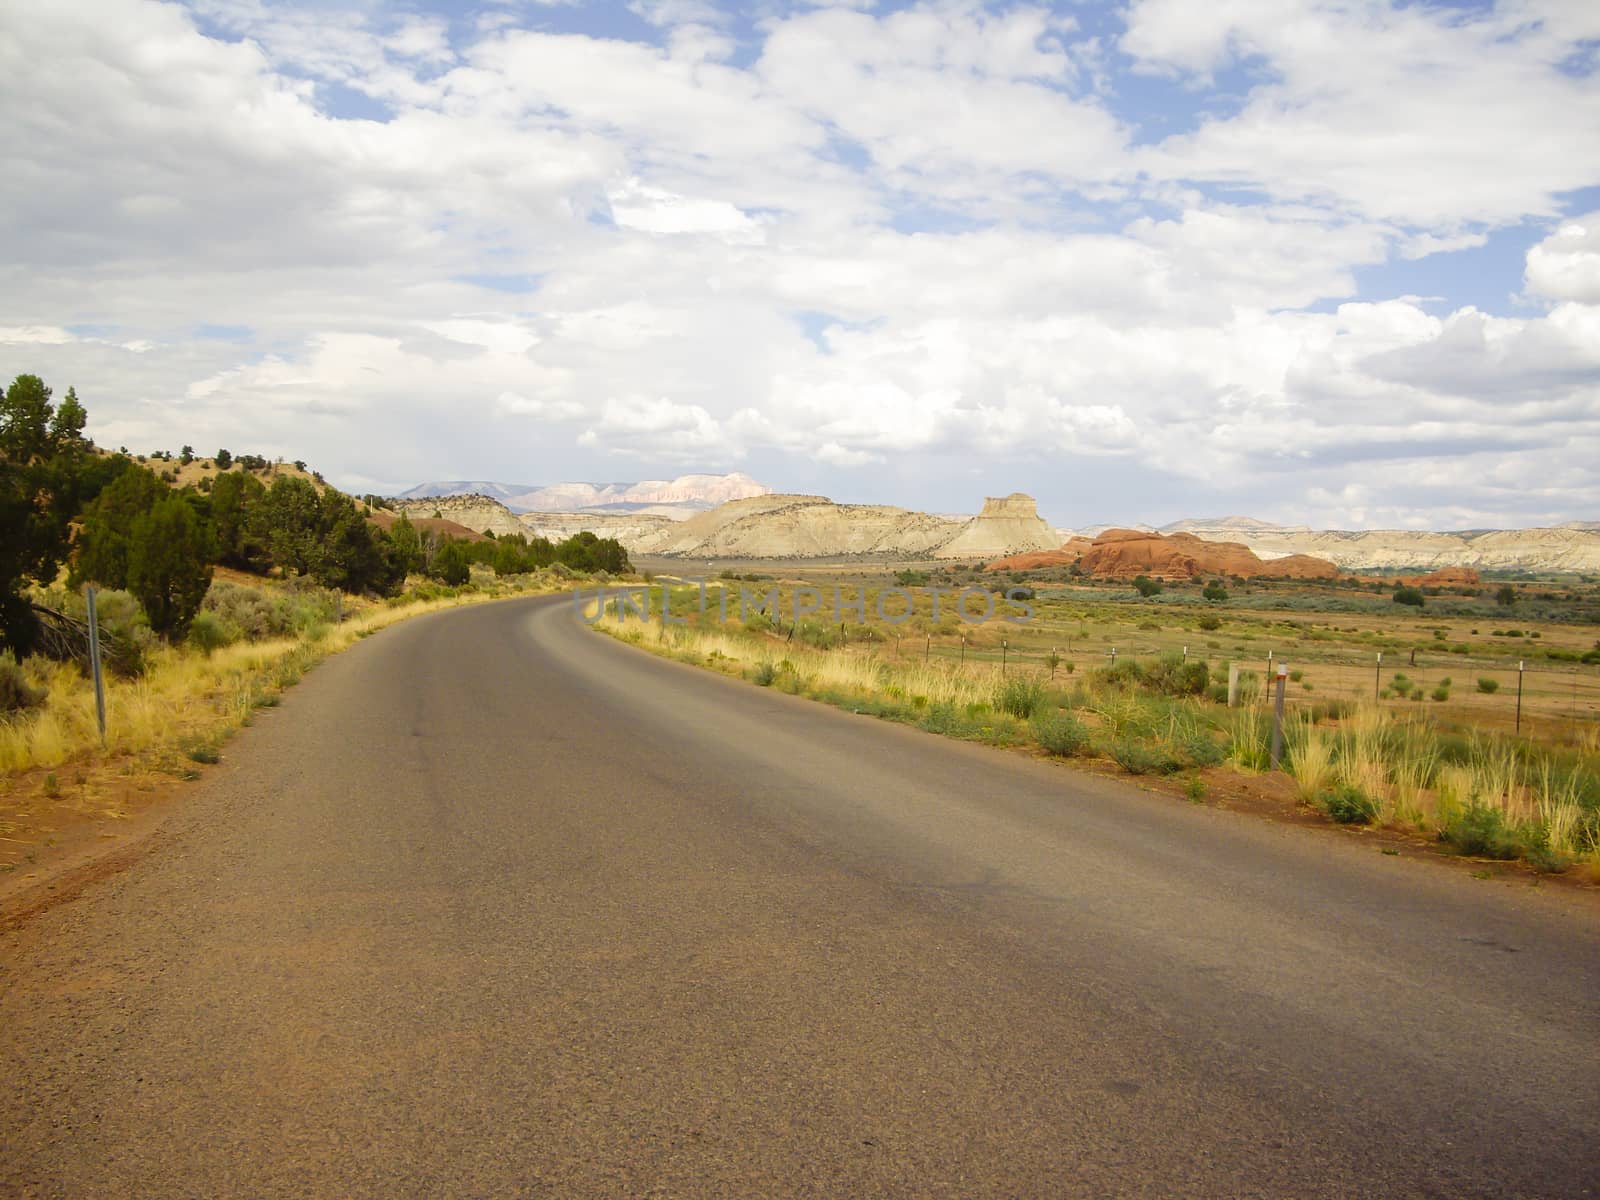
(767, 526)
(1005, 525)
(479, 513)
(776, 526)
(1572, 547)
(779, 526)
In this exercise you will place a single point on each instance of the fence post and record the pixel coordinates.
(1377, 676)
(94, 662)
(1003, 646)
(963, 649)
(1520, 664)
(1277, 715)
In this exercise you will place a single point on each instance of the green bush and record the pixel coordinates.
(1481, 829)
(1348, 805)
(1441, 694)
(1488, 686)
(1335, 710)
(1200, 747)
(210, 632)
(764, 674)
(1061, 733)
(1019, 695)
(450, 564)
(260, 613)
(817, 634)
(1173, 676)
(16, 693)
(1139, 757)
(1409, 595)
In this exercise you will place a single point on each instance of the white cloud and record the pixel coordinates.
(1478, 121)
(30, 335)
(656, 210)
(659, 428)
(498, 337)
(922, 239)
(1566, 265)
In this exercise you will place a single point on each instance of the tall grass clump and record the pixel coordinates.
(1311, 760)
(1019, 695)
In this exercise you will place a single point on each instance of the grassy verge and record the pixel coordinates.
(1481, 794)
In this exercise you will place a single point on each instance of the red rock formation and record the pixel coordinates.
(1071, 551)
(1126, 553)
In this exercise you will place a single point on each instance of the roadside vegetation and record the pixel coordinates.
(1483, 792)
(212, 596)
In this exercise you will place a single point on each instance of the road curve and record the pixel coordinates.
(495, 906)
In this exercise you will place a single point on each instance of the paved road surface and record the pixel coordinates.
(494, 906)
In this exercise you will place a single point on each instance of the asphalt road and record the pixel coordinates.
(495, 906)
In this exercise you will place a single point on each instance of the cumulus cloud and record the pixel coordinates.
(902, 244)
(1566, 265)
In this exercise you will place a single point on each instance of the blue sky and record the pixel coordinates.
(1332, 262)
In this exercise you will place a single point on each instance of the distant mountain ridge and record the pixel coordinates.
(693, 493)
(1574, 546)
(681, 518)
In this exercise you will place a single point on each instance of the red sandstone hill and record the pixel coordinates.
(1126, 553)
(1071, 551)
(384, 519)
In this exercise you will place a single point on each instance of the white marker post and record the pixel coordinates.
(1277, 715)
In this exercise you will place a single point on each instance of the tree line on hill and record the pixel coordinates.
(115, 523)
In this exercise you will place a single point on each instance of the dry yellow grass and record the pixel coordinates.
(856, 669)
(183, 696)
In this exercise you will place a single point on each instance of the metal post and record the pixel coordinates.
(1055, 656)
(1520, 665)
(927, 651)
(1003, 645)
(1266, 683)
(1277, 716)
(963, 649)
(1377, 676)
(94, 662)
(1186, 654)
(1113, 656)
